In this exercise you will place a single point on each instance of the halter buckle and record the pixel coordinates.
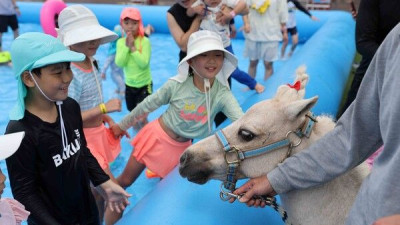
(235, 153)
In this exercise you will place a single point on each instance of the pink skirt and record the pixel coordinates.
(155, 149)
(102, 144)
(12, 212)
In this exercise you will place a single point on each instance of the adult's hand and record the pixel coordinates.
(254, 187)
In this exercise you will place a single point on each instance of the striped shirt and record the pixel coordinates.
(84, 88)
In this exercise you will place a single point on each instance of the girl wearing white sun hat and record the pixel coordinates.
(194, 99)
(80, 30)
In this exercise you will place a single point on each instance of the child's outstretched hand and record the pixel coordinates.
(246, 28)
(115, 196)
(113, 105)
(259, 88)
(118, 132)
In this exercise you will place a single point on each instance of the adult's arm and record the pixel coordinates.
(181, 38)
(358, 132)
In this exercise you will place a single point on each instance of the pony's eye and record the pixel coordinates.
(246, 135)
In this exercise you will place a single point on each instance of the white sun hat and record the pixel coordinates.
(204, 41)
(9, 143)
(78, 24)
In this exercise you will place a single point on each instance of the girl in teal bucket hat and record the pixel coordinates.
(52, 170)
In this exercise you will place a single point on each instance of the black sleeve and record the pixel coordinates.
(96, 174)
(300, 7)
(367, 27)
(23, 177)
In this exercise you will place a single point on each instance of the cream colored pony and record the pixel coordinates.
(267, 122)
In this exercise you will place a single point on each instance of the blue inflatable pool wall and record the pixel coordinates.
(327, 52)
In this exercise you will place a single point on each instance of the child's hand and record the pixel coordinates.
(103, 76)
(113, 105)
(199, 10)
(259, 88)
(108, 120)
(118, 132)
(316, 19)
(246, 28)
(115, 196)
(130, 41)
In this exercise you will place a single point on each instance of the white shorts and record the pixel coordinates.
(265, 50)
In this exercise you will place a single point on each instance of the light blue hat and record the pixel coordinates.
(35, 50)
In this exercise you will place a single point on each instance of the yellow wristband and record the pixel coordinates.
(103, 108)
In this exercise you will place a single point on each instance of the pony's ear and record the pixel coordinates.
(299, 108)
(302, 77)
(289, 92)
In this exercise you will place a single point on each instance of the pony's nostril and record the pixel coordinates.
(185, 158)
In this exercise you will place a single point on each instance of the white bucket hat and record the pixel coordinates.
(204, 41)
(78, 24)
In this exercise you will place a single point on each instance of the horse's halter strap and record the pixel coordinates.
(233, 155)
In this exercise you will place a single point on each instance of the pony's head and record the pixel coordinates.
(264, 124)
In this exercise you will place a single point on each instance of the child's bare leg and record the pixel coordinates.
(295, 41)
(269, 70)
(16, 33)
(131, 172)
(111, 217)
(283, 48)
(253, 68)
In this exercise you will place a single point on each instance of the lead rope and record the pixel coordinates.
(270, 201)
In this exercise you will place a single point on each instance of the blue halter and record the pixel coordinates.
(233, 155)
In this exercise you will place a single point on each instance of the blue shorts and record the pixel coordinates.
(8, 21)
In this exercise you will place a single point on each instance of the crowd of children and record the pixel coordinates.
(70, 140)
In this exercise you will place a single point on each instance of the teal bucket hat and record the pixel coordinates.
(34, 50)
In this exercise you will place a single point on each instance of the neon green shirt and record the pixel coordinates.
(136, 65)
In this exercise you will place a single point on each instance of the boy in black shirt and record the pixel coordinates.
(51, 171)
